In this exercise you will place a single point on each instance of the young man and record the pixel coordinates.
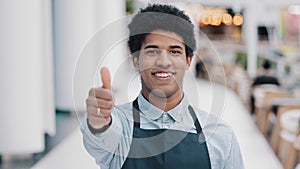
(159, 129)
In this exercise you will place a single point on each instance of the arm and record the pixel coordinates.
(102, 130)
(102, 146)
(105, 147)
(234, 158)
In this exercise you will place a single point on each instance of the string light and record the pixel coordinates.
(217, 16)
(227, 19)
(237, 19)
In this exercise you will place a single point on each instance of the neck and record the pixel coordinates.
(163, 102)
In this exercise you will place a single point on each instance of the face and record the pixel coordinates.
(162, 63)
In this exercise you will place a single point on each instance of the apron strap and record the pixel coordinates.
(195, 119)
(136, 116)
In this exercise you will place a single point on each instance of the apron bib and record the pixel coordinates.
(166, 149)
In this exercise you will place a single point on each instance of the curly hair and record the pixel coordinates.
(163, 17)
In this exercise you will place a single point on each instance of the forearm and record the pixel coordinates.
(109, 148)
(102, 146)
(235, 158)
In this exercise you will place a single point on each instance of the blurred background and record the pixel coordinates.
(51, 51)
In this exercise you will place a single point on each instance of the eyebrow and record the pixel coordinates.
(151, 46)
(176, 46)
(154, 46)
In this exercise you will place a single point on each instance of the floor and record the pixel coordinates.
(66, 123)
(68, 151)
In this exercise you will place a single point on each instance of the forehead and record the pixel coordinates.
(163, 37)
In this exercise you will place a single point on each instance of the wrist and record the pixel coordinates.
(101, 129)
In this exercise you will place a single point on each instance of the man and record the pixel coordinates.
(159, 129)
(266, 77)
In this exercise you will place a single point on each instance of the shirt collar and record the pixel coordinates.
(155, 113)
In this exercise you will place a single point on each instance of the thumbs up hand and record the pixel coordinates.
(100, 102)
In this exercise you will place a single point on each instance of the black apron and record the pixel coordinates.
(166, 149)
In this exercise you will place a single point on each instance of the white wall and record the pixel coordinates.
(86, 32)
(26, 100)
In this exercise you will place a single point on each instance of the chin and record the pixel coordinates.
(164, 93)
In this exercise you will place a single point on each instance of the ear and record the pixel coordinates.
(135, 61)
(188, 62)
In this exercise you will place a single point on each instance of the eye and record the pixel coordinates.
(175, 52)
(152, 52)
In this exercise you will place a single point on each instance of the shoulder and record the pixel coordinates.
(123, 111)
(219, 135)
(124, 108)
(212, 122)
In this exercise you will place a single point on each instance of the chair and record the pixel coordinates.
(263, 112)
(289, 138)
(274, 140)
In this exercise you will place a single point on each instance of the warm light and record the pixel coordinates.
(205, 20)
(216, 20)
(227, 19)
(238, 19)
(216, 16)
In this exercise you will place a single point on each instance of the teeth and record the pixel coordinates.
(163, 74)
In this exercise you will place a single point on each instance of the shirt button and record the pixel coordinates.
(164, 126)
(165, 116)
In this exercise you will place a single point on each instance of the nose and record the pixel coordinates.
(164, 59)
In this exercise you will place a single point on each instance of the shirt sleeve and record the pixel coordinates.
(234, 158)
(110, 147)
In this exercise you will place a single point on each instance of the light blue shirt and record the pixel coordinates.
(111, 147)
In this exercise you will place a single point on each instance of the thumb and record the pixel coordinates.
(105, 77)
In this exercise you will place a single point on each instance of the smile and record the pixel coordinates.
(161, 74)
